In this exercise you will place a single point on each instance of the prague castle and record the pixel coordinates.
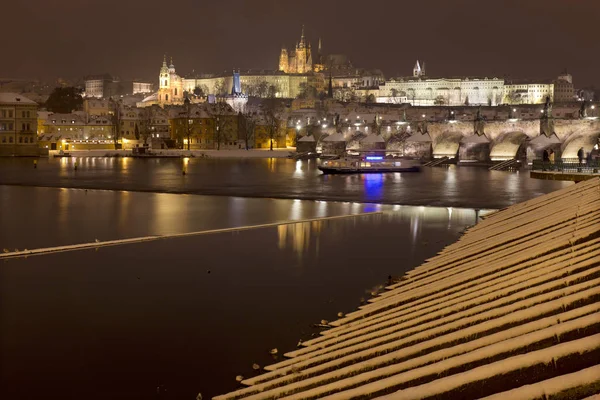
(298, 71)
(299, 61)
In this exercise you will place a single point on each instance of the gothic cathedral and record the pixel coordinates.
(300, 60)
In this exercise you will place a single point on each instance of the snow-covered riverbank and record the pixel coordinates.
(237, 153)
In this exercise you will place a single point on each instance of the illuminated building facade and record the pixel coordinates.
(170, 85)
(18, 125)
(299, 60)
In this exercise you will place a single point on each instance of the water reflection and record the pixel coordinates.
(373, 184)
(419, 222)
(297, 237)
(298, 172)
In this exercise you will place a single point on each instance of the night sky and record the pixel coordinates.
(521, 38)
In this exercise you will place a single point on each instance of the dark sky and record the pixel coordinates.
(519, 38)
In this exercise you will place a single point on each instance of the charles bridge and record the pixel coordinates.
(465, 134)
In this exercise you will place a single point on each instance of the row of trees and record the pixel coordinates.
(224, 122)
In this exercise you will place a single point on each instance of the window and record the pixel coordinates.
(3, 139)
(31, 139)
(10, 114)
(20, 139)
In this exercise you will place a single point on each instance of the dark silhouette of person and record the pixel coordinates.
(545, 157)
(580, 155)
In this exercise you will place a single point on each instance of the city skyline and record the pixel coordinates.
(461, 38)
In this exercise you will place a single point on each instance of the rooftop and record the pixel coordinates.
(14, 98)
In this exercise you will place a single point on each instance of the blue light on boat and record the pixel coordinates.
(374, 158)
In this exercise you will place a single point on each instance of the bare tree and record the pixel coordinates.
(199, 91)
(272, 112)
(246, 127)
(221, 115)
(115, 106)
(145, 123)
(263, 89)
(219, 86)
(188, 121)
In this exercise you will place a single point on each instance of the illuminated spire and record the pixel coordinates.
(164, 60)
(302, 42)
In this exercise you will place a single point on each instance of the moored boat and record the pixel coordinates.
(369, 164)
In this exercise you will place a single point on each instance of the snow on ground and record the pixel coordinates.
(237, 153)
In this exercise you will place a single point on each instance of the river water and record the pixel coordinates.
(281, 178)
(175, 317)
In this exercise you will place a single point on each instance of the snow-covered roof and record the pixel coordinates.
(309, 138)
(517, 294)
(65, 119)
(336, 137)
(373, 138)
(152, 97)
(14, 98)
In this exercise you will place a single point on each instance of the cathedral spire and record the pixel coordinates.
(302, 41)
(164, 60)
(319, 49)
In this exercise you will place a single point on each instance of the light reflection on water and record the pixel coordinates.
(302, 238)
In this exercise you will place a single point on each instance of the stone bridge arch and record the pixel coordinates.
(509, 145)
(474, 148)
(537, 146)
(447, 144)
(577, 140)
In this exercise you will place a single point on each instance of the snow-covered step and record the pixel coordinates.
(582, 381)
(517, 295)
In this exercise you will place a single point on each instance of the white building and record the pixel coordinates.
(101, 86)
(142, 87)
(422, 91)
(527, 92)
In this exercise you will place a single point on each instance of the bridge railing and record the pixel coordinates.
(590, 167)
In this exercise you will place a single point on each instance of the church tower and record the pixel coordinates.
(176, 84)
(170, 85)
(164, 82)
(164, 75)
(283, 60)
(418, 70)
(302, 55)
